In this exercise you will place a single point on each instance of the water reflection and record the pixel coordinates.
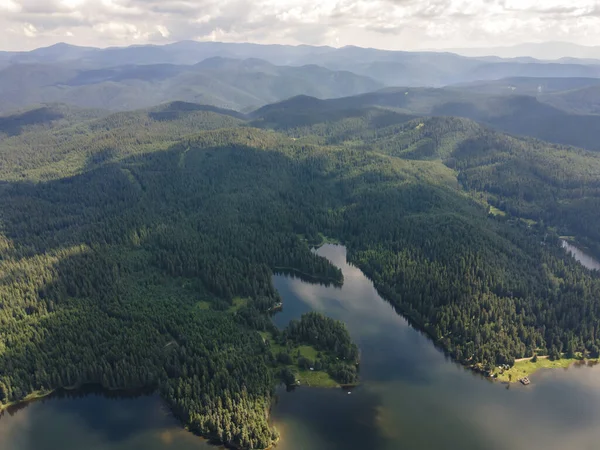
(96, 420)
(413, 397)
(585, 259)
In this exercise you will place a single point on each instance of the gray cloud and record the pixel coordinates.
(406, 24)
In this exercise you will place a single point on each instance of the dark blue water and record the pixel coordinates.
(411, 396)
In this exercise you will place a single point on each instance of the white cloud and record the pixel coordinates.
(10, 6)
(73, 4)
(203, 19)
(164, 31)
(120, 30)
(29, 30)
(400, 24)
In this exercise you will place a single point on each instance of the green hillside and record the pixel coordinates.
(124, 241)
(560, 117)
(527, 178)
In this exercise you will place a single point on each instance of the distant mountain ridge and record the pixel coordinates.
(555, 101)
(223, 82)
(399, 68)
(544, 51)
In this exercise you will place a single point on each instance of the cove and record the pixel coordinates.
(94, 419)
(411, 395)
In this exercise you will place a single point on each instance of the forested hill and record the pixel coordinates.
(137, 249)
(568, 117)
(527, 178)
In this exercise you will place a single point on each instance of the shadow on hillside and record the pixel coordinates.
(13, 125)
(289, 117)
(176, 110)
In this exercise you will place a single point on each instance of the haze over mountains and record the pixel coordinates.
(246, 76)
(561, 51)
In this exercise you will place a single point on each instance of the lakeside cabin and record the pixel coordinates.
(525, 381)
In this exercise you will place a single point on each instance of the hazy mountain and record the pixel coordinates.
(495, 71)
(528, 85)
(184, 52)
(585, 100)
(391, 68)
(573, 95)
(543, 51)
(224, 82)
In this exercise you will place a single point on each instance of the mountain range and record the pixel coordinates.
(243, 76)
(559, 51)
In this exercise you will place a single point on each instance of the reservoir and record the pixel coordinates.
(411, 396)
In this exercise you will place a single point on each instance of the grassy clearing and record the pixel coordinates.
(238, 303)
(496, 212)
(525, 368)
(308, 352)
(203, 306)
(499, 213)
(529, 222)
(312, 378)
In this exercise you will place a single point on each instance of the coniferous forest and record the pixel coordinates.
(137, 249)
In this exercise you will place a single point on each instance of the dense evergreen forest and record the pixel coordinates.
(137, 250)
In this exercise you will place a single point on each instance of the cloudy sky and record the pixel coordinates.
(392, 24)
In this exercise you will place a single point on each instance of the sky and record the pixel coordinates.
(389, 24)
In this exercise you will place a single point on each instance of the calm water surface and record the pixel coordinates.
(95, 421)
(585, 259)
(411, 397)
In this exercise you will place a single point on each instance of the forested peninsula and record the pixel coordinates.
(137, 249)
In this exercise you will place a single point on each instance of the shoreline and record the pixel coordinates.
(29, 398)
(292, 271)
(40, 394)
(524, 367)
(519, 370)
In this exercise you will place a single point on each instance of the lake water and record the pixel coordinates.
(95, 420)
(585, 259)
(411, 396)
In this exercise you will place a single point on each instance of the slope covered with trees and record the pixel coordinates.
(551, 117)
(128, 242)
(548, 183)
